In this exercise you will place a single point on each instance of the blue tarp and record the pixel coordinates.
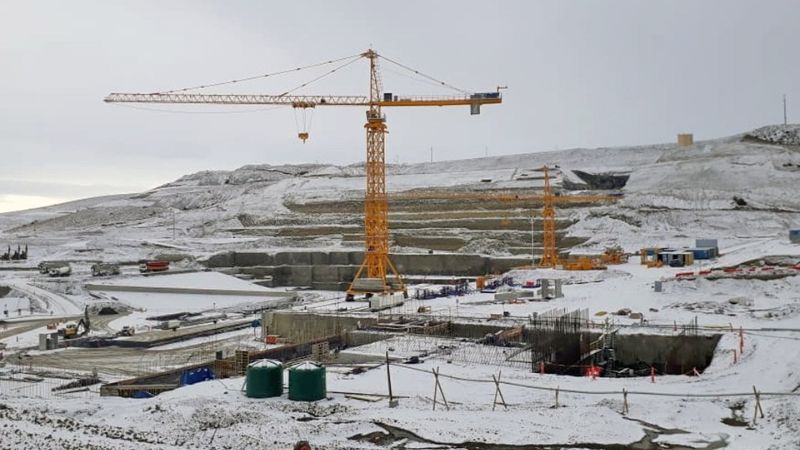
(142, 394)
(196, 375)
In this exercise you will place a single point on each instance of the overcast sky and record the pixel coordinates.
(579, 74)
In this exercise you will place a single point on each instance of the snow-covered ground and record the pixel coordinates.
(741, 190)
(214, 291)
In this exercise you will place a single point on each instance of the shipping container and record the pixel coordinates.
(384, 301)
(703, 253)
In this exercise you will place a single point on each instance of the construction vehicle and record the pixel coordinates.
(81, 328)
(63, 270)
(126, 330)
(614, 255)
(45, 266)
(18, 254)
(153, 265)
(70, 330)
(377, 273)
(104, 269)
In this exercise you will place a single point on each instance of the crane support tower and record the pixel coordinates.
(377, 273)
(550, 257)
(550, 250)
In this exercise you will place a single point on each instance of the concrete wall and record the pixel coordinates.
(301, 327)
(180, 290)
(335, 270)
(670, 354)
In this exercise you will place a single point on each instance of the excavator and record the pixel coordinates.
(73, 330)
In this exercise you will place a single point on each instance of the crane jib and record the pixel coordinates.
(300, 101)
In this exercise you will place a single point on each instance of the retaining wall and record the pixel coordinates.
(301, 327)
(335, 270)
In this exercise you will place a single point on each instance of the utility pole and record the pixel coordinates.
(785, 122)
(431, 153)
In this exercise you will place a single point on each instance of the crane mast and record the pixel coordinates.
(377, 273)
(550, 251)
(373, 270)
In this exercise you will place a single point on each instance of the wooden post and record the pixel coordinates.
(541, 367)
(758, 411)
(498, 391)
(734, 356)
(557, 388)
(625, 409)
(438, 387)
(392, 401)
(741, 340)
(652, 374)
(533, 362)
(435, 387)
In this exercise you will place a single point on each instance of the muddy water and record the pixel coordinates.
(398, 438)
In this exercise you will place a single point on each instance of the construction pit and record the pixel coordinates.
(456, 359)
(557, 342)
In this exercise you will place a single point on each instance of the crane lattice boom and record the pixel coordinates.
(297, 101)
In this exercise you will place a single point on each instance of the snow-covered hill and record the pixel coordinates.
(728, 187)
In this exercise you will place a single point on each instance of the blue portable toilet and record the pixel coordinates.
(794, 235)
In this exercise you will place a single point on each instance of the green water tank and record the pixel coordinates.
(307, 382)
(264, 379)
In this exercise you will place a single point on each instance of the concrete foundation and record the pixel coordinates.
(668, 354)
(335, 270)
(302, 327)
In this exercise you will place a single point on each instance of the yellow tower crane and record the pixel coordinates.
(377, 273)
(547, 197)
(549, 248)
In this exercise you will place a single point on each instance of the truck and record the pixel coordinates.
(45, 266)
(170, 325)
(104, 269)
(63, 270)
(126, 330)
(151, 265)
